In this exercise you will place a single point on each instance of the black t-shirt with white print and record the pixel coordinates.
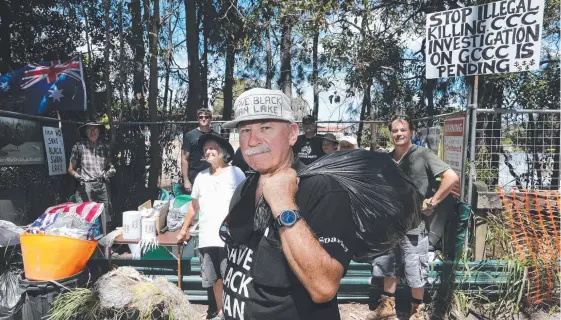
(308, 150)
(255, 286)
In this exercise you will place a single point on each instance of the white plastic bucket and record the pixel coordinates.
(148, 228)
(132, 228)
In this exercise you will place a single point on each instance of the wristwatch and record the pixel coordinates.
(287, 218)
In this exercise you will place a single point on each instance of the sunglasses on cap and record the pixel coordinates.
(204, 117)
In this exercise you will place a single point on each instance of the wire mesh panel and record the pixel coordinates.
(517, 149)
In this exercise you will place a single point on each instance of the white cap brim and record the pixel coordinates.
(234, 123)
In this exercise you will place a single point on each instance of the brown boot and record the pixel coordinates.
(385, 310)
(417, 311)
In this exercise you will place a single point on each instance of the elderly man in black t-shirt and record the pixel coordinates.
(289, 241)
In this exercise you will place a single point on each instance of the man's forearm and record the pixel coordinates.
(315, 268)
(449, 179)
(185, 169)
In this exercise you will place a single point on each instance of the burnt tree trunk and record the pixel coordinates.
(268, 50)
(366, 106)
(315, 70)
(122, 77)
(230, 63)
(92, 108)
(167, 59)
(137, 45)
(108, 89)
(286, 56)
(155, 154)
(195, 88)
(429, 93)
(207, 22)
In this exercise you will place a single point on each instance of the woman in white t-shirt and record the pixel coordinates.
(212, 190)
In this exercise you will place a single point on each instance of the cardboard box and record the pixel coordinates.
(161, 216)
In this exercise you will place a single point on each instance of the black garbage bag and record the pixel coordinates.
(384, 201)
(11, 294)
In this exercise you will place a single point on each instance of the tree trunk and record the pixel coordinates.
(366, 105)
(286, 56)
(269, 52)
(122, 78)
(139, 53)
(92, 111)
(315, 70)
(229, 80)
(167, 58)
(429, 93)
(155, 156)
(194, 96)
(5, 36)
(229, 76)
(207, 21)
(108, 93)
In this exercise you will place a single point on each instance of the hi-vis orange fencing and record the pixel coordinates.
(533, 223)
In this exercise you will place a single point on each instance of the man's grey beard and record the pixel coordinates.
(263, 216)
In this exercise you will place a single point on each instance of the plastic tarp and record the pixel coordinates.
(385, 203)
(9, 233)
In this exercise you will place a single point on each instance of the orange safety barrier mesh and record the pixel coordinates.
(533, 224)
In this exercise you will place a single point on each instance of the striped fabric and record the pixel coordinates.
(77, 215)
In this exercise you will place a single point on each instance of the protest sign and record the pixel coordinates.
(54, 145)
(498, 37)
(454, 129)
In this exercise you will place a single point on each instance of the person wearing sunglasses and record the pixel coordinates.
(289, 240)
(192, 161)
(308, 146)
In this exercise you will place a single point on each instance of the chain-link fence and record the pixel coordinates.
(513, 150)
(517, 149)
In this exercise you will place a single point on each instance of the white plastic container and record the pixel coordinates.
(132, 228)
(149, 228)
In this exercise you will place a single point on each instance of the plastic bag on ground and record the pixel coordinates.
(385, 203)
(11, 294)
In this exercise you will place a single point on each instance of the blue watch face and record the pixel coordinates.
(288, 217)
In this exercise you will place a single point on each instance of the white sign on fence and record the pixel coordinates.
(498, 37)
(54, 146)
(454, 129)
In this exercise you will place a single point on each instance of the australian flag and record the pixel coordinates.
(46, 86)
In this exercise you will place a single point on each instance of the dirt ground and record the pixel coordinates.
(349, 311)
(358, 311)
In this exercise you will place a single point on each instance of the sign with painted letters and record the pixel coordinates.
(498, 37)
(54, 146)
(454, 130)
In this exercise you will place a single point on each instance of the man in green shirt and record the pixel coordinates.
(410, 258)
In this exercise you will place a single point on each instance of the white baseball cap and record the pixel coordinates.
(261, 104)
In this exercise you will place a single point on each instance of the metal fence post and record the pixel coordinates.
(473, 119)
